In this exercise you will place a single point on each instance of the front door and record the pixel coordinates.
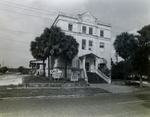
(87, 66)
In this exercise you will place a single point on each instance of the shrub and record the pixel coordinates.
(20, 69)
(25, 71)
(117, 70)
(104, 69)
(3, 70)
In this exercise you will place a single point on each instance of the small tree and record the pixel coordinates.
(4, 69)
(117, 70)
(20, 69)
(141, 57)
(124, 45)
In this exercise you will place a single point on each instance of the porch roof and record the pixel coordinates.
(90, 54)
(36, 61)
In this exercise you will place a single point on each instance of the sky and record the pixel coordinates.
(23, 20)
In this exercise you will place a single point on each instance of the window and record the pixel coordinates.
(90, 30)
(70, 26)
(102, 33)
(102, 46)
(83, 29)
(90, 45)
(83, 44)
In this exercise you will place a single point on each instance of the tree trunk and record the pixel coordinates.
(141, 84)
(124, 70)
(52, 62)
(66, 67)
(48, 67)
(43, 67)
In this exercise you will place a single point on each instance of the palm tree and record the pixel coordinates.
(53, 42)
(124, 45)
(59, 44)
(37, 49)
(71, 50)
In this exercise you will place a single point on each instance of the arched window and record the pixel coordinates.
(102, 46)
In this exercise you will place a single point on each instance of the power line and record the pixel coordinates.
(14, 50)
(118, 27)
(25, 14)
(117, 32)
(36, 33)
(18, 31)
(40, 34)
(22, 14)
(50, 13)
(49, 18)
(14, 40)
(29, 7)
(41, 10)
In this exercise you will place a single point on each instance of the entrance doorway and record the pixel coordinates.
(87, 66)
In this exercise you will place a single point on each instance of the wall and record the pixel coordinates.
(63, 21)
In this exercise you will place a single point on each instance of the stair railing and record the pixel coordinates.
(102, 75)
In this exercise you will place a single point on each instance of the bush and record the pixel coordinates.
(25, 71)
(12, 69)
(104, 70)
(20, 69)
(35, 79)
(117, 70)
(3, 70)
(0, 70)
(107, 72)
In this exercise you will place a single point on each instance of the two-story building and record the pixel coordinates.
(94, 38)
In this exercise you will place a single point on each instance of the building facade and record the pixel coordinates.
(94, 38)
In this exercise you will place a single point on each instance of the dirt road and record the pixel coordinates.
(8, 79)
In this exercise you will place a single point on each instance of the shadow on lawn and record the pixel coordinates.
(146, 98)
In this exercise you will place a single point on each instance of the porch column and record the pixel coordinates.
(83, 62)
(96, 63)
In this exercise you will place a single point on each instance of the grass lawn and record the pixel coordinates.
(13, 91)
(20, 91)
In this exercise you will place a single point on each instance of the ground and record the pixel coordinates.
(8, 79)
(9, 89)
(106, 105)
(98, 100)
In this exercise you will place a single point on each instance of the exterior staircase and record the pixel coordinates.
(97, 73)
(94, 78)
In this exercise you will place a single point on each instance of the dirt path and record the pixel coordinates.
(8, 79)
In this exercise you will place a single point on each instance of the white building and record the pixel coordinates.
(94, 38)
